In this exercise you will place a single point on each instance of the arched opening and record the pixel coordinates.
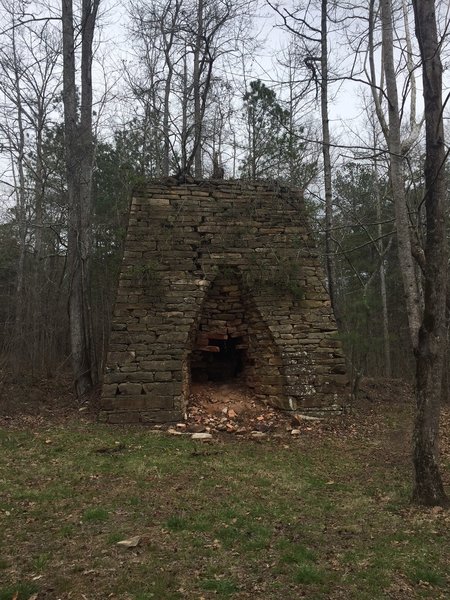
(222, 359)
(232, 344)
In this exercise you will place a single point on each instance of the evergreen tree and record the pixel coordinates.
(275, 149)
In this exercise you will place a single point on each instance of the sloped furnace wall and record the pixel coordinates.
(180, 239)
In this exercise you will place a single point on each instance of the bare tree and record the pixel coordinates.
(180, 44)
(156, 26)
(397, 151)
(303, 156)
(79, 154)
(381, 242)
(28, 62)
(14, 132)
(314, 40)
(327, 171)
(428, 488)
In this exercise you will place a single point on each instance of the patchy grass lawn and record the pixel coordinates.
(326, 515)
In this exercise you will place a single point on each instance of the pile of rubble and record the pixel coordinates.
(230, 408)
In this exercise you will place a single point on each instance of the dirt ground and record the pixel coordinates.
(125, 489)
(231, 408)
(214, 407)
(220, 409)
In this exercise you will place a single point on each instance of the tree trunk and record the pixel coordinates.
(393, 140)
(382, 271)
(38, 277)
(79, 165)
(330, 263)
(184, 116)
(166, 115)
(21, 213)
(252, 142)
(168, 39)
(428, 488)
(197, 93)
(386, 343)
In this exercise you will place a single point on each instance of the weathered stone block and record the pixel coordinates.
(141, 402)
(163, 376)
(120, 358)
(112, 377)
(109, 390)
(130, 389)
(162, 388)
(122, 417)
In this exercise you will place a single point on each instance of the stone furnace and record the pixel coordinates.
(220, 280)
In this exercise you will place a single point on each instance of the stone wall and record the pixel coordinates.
(225, 268)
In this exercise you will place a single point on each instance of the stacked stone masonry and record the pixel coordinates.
(220, 280)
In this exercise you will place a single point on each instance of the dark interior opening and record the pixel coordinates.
(223, 360)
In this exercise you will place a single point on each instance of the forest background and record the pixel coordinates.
(92, 105)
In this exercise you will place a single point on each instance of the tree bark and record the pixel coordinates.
(393, 140)
(21, 208)
(429, 489)
(184, 116)
(39, 354)
(197, 93)
(79, 166)
(382, 271)
(327, 172)
(166, 116)
(168, 40)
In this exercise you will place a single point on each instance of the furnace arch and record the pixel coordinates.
(231, 342)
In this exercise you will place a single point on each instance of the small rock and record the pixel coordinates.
(300, 418)
(130, 543)
(232, 414)
(295, 432)
(172, 431)
(258, 435)
(201, 436)
(181, 426)
(196, 428)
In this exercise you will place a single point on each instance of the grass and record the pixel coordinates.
(222, 587)
(308, 574)
(95, 515)
(323, 516)
(427, 574)
(18, 591)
